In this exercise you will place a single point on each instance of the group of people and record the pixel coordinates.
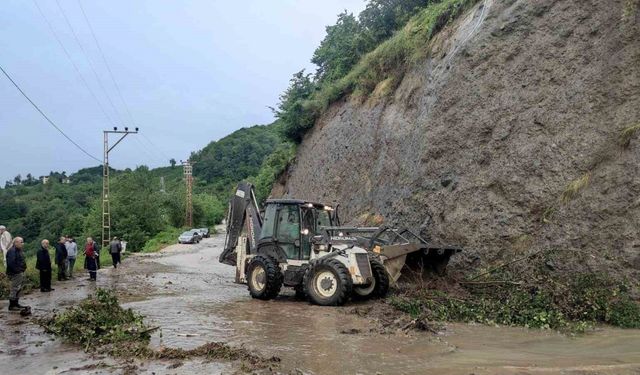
(66, 252)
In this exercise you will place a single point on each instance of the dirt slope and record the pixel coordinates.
(479, 142)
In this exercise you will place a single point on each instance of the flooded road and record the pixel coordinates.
(184, 290)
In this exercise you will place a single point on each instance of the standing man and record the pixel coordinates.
(91, 256)
(72, 253)
(115, 248)
(61, 259)
(5, 242)
(43, 264)
(16, 266)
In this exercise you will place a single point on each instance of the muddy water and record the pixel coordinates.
(192, 297)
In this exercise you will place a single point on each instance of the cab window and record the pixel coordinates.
(289, 230)
(269, 221)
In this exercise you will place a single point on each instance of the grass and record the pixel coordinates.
(575, 187)
(388, 62)
(163, 239)
(627, 134)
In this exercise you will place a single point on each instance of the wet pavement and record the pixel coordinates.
(191, 296)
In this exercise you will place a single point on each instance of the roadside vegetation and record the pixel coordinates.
(572, 302)
(365, 54)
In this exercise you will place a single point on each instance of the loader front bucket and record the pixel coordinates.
(414, 260)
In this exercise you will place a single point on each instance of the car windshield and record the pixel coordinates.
(187, 233)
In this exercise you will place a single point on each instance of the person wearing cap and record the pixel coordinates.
(5, 242)
(115, 248)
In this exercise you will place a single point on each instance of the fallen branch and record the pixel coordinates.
(506, 264)
(492, 282)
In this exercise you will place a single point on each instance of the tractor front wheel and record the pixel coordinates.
(328, 283)
(264, 277)
(380, 285)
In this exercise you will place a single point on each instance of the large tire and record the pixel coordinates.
(264, 277)
(328, 283)
(380, 286)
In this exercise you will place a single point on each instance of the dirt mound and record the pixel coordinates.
(506, 140)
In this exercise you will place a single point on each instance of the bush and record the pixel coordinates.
(161, 240)
(585, 300)
(305, 100)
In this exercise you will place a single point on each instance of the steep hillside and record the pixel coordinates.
(506, 139)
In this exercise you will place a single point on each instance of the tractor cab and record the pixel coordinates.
(289, 225)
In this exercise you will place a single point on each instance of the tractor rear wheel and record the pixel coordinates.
(328, 283)
(264, 277)
(380, 285)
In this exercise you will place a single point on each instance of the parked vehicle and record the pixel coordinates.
(204, 232)
(190, 236)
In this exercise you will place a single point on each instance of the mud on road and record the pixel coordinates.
(191, 296)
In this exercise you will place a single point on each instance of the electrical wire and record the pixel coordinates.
(104, 59)
(46, 117)
(155, 148)
(145, 148)
(68, 55)
(86, 55)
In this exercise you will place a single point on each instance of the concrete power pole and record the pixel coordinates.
(106, 204)
(188, 178)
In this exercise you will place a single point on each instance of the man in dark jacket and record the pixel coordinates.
(115, 248)
(61, 259)
(43, 264)
(16, 266)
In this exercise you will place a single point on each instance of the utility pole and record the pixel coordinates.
(187, 168)
(106, 205)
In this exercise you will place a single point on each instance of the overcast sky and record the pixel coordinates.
(189, 71)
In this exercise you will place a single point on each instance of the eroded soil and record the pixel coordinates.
(186, 292)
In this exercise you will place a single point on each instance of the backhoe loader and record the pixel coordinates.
(301, 244)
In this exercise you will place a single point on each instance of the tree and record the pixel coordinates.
(172, 161)
(342, 47)
(293, 112)
(17, 180)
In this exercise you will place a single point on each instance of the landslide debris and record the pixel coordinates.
(100, 324)
(516, 137)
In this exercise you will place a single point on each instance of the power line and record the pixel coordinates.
(156, 148)
(86, 55)
(104, 59)
(84, 81)
(47, 118)
(145, 148)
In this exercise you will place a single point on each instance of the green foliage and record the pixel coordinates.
(235, 157)
(341, 48)
(293, 111)
(355, 57)
(586, 300)
(99, 321)
(162, 239)
(271, 169)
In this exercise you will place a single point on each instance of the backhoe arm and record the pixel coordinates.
(243, 214)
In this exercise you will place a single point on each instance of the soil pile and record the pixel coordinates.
(517, 135)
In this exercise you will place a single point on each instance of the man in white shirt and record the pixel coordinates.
(5, 242)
